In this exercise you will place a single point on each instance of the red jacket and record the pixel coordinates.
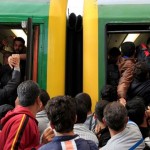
(19, 130)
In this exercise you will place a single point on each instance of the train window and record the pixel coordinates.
(116, 34)
(8, 33)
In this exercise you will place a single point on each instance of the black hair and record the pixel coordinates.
(141, 71)
(20, 39)
(4, 109)
(128, 49)
(28, 91)
(81, 110)
(61, 111)
(44, 96)
(148, 41)
(136, 110)
(86, 99)
(109, 93)
(99, 109)
(115, 115)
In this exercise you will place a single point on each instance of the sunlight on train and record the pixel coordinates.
(20, 33)
(75, 6)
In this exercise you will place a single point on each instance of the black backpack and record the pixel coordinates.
(143, 54)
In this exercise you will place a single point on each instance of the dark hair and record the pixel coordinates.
(141, 71)
(113, 54)
(128, 49)
(115, 115)
(99, 109)
(148, 41)
(19, 39)
(4, 109)
(136, 110)
(109, 93)
(28, 91)
(44, 96)
(81, 110)
(86, 99)
(61, 111)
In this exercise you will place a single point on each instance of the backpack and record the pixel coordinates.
(143, 54)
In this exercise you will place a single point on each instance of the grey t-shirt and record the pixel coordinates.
(125, 139)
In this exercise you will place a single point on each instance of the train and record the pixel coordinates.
(104, 24)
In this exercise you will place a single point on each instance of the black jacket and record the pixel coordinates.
(8, 90)
(141, 89)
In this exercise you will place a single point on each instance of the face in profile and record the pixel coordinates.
(18, 46)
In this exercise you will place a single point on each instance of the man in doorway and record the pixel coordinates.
(19, 48)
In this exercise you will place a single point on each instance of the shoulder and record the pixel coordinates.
(85, 144)
(51, 146)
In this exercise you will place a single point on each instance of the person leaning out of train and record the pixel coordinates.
(7, 91)
(126, 65)
(19, 48)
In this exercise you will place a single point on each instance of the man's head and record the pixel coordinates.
(18, 44)
(86, 99)
(28, 92)
(109, 93)
(141, 72)
(148, 43)
(128, 49)
(113, 54)
(81, 110)
(44, 97)
(136, 110)
(61, 111)
(99, 109)
(115, 116)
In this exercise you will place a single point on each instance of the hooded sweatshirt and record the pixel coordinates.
(19, 130)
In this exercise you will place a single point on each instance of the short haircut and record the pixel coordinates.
(20, 39)
(87, 100)
(109, 93)
(115, 115)
(61, 111)
(81, 110)
(148, 41)
(99, 109)
(128, 49)
(4, 109)
(141, 71)
(114, 52)
(136, 110)
(28, 91)
(44, 96)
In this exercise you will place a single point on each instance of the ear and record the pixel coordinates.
(52, 126)
(95, 116)
(104, 121)
(126, 120)
(39, 102)
(146, 114)
(76, 119)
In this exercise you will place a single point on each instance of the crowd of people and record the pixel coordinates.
(120, 119)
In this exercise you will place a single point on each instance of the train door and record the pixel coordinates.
(32, 50)
(116, 34)
(31, 36)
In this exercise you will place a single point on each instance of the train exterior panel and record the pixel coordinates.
(50, 16)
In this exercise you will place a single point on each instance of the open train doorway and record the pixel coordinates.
(30, 34)
(116, 34)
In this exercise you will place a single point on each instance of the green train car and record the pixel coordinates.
(105, 24)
